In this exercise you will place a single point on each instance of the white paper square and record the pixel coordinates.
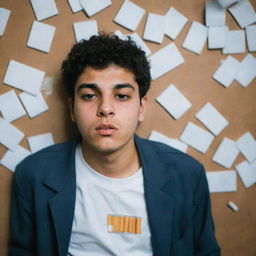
(217, 37)
(172, 100)
(10, 106)
(215, 14)
(226, 153)
(95, 6)
(226, 3)
(41, 36)
(140, 43)
(246, 173)
(85, 29)
(196, 137)
(253, 165)
(154, 28)
(12, 158)
(222, 181)
(165, 60)
(235, 42)
(227, 71)
(44, 8)
(247, 145)
(195, 38)
(129, 15)
(34, 105)
(4, 17)
(24, 77)
(243, 12)
(75, 5)
(40, 141)
(212, 119)
(10, 136)
(251, 37)
(174, 23)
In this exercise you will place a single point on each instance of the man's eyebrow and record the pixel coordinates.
(125, 85)
(88, 85)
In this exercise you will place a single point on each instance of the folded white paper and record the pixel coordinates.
(75, 5)
(246, 173)
(40, 141)
(172, 100)
(85, 29)
(24, 77)
(215, 14)
(233, 206)
(235, 42)
(4, 17)
(247, 145)
(10, 136)
(217, 37)
(222, 181)
(226, 153)
(227, 71)
(10, 106)
(44, 8)
(195, 38)
(251, 37)
(140, 43)
(95, 6)
(197, 137)
(244, 13)
(226, 3)
(165, 60)
(129, 15)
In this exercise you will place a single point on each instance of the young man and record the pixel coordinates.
(110, 192)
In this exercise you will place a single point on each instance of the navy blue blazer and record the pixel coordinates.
(176, 195)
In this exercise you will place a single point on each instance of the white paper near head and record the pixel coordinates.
(215, 14)
(217, 37)
(246, 173)
(235, 42)
(95, 6)
(140, 43)
(251, 37)
(75, 5)
(85, 29)
(4, 17)
(40, 141)
(226, 3)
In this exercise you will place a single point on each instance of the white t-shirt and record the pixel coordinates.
(98, 196)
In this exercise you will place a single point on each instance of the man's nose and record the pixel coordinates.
(105, 107)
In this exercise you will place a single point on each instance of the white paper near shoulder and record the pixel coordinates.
(85, 29)
(41, 36)
(129, 15)
(233, 206)
(244, 13)
(165, 60)
(24, 77)
(222, 181)
(195, 38)
(172, 100)
(10, 136)
(197, 137)
(40, 141)
(215, 14)
(12, 158)
(175, 143)
(217, 37)
(95, 6)
(140, 43)
(174, 23)
(226, 3)
(75, 5)
(154, 28)
(247, 145)
(4, 17)
(10, 106)
(235, 43)
(34, 105)
(227, 71)
(226, 153)
(44, 8)
(246, 173)
(251, 37)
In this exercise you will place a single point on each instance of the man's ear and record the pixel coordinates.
(71, 108)
(143, 108)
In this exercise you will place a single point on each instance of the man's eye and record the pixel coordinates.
(88, 96)
(122, 96)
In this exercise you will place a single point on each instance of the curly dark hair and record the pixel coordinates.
(99, 52)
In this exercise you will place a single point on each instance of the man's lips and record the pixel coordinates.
(106, 129)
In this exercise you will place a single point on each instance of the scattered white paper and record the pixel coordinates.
(44, 8)
(227, 71)
(4, 17)
(222, 181)
(235, 43)
(251, 37)
(10, 136)
(129, 15)
(24, 77)
(10, 106)
(217, 37)
(196, 137)
(85, 29)
(172, 100)
(75, 5)
(244, 13)
(120, 34)
(174, 23)
(233, 206)
(41, 36)
(39, 142)
(165, 60)
(215, 14)
(95, 6)
(12, 158)
(226, 153)
(247, 145)
(195, 38)
(246, 173)
(48, 83)
(226, 3)
(140, 43)
(34, 105)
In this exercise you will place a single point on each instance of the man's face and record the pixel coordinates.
(107, 108)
